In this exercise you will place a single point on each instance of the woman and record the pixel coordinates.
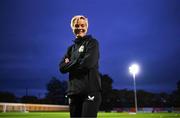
(81, 62)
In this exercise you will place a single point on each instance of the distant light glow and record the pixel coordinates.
(134, 69)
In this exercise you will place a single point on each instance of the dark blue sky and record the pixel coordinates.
(35, 34)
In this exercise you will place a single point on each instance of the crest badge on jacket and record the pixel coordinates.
(81, 49)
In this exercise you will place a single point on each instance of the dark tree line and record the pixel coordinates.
(56, 91)
(111, 98)
(7, 97)
(55, 94)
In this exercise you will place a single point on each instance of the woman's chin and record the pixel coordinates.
(80, 35)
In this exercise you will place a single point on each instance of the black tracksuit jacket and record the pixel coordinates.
(83, 66)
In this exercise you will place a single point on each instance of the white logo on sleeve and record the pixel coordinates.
(90, 98)
(81, 49)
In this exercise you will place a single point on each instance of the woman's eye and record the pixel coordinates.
(82, 25)
(76, 25)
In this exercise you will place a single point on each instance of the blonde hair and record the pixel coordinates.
(77, 17)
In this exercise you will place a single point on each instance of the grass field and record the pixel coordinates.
(100, 115)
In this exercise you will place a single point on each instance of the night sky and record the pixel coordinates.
(34, 35)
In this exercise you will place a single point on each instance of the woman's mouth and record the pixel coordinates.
(77, 31)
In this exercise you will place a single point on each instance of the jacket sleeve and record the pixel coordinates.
(66, 67)
(91, 56)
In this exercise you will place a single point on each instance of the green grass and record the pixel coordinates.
(100, 115)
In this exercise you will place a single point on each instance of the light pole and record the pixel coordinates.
(134, 69)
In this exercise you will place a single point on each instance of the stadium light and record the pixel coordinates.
(134, 69)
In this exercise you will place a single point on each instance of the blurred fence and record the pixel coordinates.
(8, 107)
(20, 107)
(148, 109)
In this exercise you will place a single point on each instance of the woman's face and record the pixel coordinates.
(80, 28)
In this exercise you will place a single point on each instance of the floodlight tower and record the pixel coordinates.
(134, 69)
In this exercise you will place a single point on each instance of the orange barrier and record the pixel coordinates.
(8, 107)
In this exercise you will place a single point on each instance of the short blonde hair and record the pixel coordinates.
(77, 17)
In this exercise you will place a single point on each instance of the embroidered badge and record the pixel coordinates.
(90, 98)
(81, 49)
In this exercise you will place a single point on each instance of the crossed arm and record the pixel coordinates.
(87, 61)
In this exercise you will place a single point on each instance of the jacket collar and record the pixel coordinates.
(81, 39)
